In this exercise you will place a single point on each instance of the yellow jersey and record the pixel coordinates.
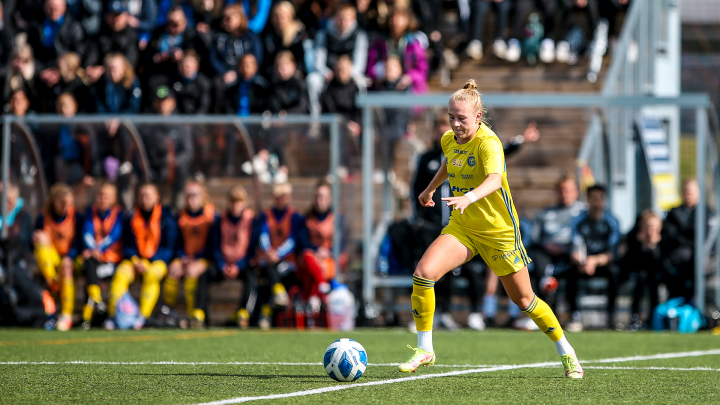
(492, 220)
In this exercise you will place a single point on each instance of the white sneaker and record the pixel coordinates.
(526, 324)
(513, 51)
(562, 52)
(64, 323)
(574, 326)
(500, 48)
(447, 322)
(475, 49)
(476, 321)
(109, 324)
(547, 51)
(412, 328)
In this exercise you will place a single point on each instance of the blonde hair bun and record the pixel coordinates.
(470, 85)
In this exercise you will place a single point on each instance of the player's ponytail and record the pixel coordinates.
(470, 93)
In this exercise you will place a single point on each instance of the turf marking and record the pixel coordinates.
(653, 368)
(141, 338)
(455, 373)
(206, 363)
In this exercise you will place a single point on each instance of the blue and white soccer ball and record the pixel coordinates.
(345, 360)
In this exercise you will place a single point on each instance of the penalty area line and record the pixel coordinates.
(334, 388)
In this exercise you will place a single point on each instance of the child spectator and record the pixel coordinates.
(56, 241)
(342, 37)
(234, 41)
(169, 43)
(595, 235)
(118, 90)
(102, 247)
(57, 34)
(191, 254)
(401, 41)
(192, 87)
(72, 79)
(286, 34)
(233, 245)
(116, 35)
(20, 75)
(248, 95)
(289, 94)
(339, 96)
(149, 236)
(397, 119)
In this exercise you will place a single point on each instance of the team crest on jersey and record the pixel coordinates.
(457, 162)
(471, 161)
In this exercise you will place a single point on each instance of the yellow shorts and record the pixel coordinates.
(501, 262)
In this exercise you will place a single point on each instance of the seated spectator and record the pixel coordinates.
(339, 96)
(400, 40)
(118, 90)
(288, 94)
(574, 39)
(286, 34)
(342, 37)
(18, 104)
(257, 12)
(548, 10)
(116, 35)
(20, 75)
(76, 145)
(89, 14)
(169, 42)
(595, 234)
(192, 253)
(396, 119)
(56, 241)
(101, 247)
(57, 34)
(6, 39)
(552, 242)
(192, 87)
(371, 16)
(678, 241)
(248, 95)
(315, 14)
(142, 18)
(17, 251)
(232, 42)
(282, 233)
(478, 14)
(149, 236)
(169, 146)
(232, 243)
(644, 263)
(71, 79)
(207, 15)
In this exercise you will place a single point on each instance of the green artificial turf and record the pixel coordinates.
(195, 383)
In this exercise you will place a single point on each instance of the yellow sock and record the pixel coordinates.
(47, 262)
(279, 289)
(266, 310)
(93, 291)
(242, 313)
(67, 296)
(150, 290)
(190, 288)
(198, 314)
(170, 291)
(423, 303)
(544, 318)
(124, 275)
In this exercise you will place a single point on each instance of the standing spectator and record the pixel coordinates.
(401, 41)
(116, 35)
(478, 14)
(20, 75)
(643, 261)
(342, 37)
(169, 146)
(57, 34)
(286, 34)
(142, 18)
(234, 41)
(248, 95)
(118, 90)
(71, 79)
(6, 38)
(595, 235)
(678, 241)
(257, 12)
(192, 88)
(169, 42)
(339, 96)
(289, 94)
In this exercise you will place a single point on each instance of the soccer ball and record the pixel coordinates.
(345, 360)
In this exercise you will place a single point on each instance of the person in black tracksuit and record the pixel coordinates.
(288, 93)
(339, 96)
(116, 35)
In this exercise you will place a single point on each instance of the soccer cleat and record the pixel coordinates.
(419, 358)
(264, 323)
(139, 323)
(573, 369)
(109, 324)
(64, 323)
(243, 318)
(280, 296)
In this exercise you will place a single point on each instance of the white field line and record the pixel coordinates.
(454, 373)
(207, 363)
(653, 368)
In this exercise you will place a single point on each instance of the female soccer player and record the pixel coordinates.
(484, 222)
